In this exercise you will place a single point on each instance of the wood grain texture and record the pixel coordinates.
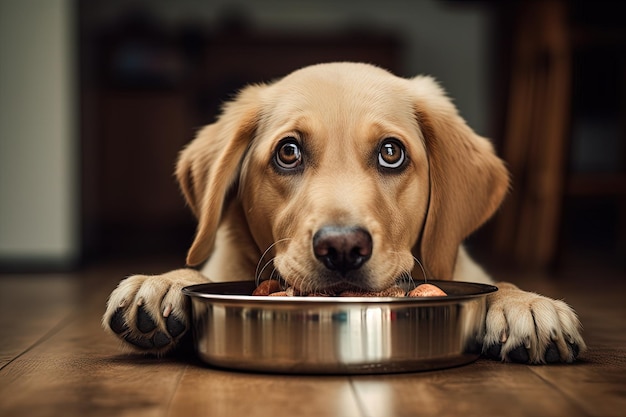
(30, 307)
(247, 394)
(57, 361)
(481, 389)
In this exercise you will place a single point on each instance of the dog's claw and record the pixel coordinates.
(145, 323)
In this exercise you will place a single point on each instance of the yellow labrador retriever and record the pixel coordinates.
(341, 175)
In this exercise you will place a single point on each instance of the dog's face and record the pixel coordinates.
(331, 168)
(345, 175)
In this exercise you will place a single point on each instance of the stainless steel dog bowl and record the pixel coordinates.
(337, 335)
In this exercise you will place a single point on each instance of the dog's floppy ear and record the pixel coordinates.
(208, 167)
(467, 180)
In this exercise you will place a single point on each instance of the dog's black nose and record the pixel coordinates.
(342, 248)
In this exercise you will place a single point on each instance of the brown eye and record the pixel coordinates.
(288, 155)
(391, 154)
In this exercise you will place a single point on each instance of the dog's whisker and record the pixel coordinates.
(405, 277)
(405, 274)
(276, 275)
(313, 286)
(296, 279)
(422, 268)
(257, 278)
(305, 284)
(257, 273)
(297, 283)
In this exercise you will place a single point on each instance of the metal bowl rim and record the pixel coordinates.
(204, 291)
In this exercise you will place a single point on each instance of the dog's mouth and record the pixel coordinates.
(342, 261)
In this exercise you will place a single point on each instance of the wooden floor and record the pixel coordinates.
(56, 361)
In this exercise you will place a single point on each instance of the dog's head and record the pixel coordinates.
(345, 174)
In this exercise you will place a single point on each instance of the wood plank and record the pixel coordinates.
(79, 370)
(30, 307)
(527, 225)
(484, 388)
(596, 382)
(64, 382)
(597, 385)
(551, 156)
(227, 393)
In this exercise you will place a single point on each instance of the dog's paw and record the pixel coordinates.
(525, 327)
(150, 313)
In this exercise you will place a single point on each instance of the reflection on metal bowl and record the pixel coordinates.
(337, 335)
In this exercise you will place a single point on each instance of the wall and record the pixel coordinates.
(38, 176)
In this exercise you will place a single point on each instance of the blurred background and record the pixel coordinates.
(98, 96)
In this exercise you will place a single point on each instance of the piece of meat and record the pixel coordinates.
(267, 287)
(426, 290)
(394, 291)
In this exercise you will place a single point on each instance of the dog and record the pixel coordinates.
(341, 175)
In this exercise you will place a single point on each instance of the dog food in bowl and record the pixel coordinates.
(426, 290)
(273, 288)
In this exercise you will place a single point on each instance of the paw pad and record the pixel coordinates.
(140, 342)
(552, 354)
(160, 340)
(117, 322)
(147, 335)
(145, 324)
(519, 355)
(174, 326)
(149, 312)
(493, 351)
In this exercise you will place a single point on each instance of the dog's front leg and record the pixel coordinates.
(526, 327)
(150, 313)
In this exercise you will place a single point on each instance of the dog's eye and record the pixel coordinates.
(391, 154)
(288, 155)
